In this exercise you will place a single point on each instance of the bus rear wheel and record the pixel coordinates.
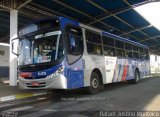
(136, 79)
(95, 85)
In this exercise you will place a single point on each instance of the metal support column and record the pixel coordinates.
(13, 58)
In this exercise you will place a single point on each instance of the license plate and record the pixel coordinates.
(35, 84)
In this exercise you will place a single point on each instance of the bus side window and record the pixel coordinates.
(109, 51)
(120, 53)
(136, 55)
(119, 48)
(94, 43)
(119, 44)
(146, 54)
(108, 46)
(128, 49)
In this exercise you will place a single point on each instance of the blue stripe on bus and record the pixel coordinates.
(75, 78)
(123, 39)
(75, 75)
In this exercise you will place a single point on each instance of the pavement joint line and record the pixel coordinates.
(21, 96)
(20, 108)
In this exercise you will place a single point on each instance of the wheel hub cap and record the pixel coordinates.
(95, 83)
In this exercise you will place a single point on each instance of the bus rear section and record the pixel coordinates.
(109, 58)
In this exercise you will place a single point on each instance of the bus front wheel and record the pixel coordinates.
(95, 85)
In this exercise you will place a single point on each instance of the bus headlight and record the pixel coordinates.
(56, 73)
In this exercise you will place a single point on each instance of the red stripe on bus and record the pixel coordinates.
(125, 73)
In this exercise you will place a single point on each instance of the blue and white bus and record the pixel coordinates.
(58, 53)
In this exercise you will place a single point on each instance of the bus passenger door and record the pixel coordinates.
(74, 42)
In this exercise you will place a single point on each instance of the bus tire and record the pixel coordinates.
(95, 84)
(136, 78)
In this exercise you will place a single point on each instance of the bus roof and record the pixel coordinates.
(113, 36)
(103, 32)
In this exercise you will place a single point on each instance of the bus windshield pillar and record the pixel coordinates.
(13, 58)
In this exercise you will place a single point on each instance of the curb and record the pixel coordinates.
(21, 96)
(153, 75)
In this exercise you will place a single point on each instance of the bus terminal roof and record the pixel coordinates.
(117, 17)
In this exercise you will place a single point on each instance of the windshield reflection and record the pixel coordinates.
(41, 48)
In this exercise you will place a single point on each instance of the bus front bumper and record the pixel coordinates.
(59, 82)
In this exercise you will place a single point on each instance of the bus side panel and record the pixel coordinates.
(131, 69)
(75, 78)
(74, 74)
(144, 68)
(92, 62)
(154, 64)
(119, 69)
(124, 70)
(114, 70)
(110, 67)
(148, 68)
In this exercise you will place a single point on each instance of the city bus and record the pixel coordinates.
(59, 53)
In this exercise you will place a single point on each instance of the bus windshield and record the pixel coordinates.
(41, 48)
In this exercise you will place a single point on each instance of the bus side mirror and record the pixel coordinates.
(15, 47)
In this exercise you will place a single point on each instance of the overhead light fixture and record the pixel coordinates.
(111, 30)
(150, 12)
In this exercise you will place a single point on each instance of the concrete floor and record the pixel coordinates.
(144, 96)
